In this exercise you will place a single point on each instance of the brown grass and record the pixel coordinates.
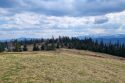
(61, 66)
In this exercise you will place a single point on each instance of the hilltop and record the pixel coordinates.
(61, 66)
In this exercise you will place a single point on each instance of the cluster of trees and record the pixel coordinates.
(117, 48)
(13, 46)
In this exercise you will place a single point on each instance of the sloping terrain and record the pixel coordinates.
(61, 66)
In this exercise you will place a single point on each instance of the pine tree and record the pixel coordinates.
(53, 44)
(1, 47)
(43, 47)
(17, 47)
(25, 48)
(35, 47)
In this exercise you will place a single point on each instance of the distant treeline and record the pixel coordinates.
(116, 49)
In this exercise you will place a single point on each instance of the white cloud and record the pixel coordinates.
(117, 17)
(4, 11)
(97, 31)
(27, 19)
(29, 24)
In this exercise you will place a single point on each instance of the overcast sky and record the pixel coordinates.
(44, 18)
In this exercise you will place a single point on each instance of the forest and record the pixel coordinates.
(87, 43)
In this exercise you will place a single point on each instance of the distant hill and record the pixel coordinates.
(107, 38)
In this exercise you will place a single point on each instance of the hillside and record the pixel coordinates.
(61, 66)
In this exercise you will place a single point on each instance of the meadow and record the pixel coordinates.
(61, 66)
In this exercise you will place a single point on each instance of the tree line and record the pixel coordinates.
(116, 49)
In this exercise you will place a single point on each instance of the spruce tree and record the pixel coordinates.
(1, 47)
(25, 48)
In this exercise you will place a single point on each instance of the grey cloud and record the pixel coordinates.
(65, 7)
(101, 20)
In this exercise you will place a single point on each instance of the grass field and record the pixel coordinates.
(61, 66)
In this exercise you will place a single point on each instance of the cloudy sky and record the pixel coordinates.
(44, 18)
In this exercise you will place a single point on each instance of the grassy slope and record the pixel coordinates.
(62, 66)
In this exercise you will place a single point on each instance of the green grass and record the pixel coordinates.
(62, 66)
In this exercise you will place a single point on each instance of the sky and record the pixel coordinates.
(47, 18)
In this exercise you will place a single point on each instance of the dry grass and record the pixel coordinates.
(62, 66)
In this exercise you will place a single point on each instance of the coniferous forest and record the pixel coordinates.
(116, 49)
